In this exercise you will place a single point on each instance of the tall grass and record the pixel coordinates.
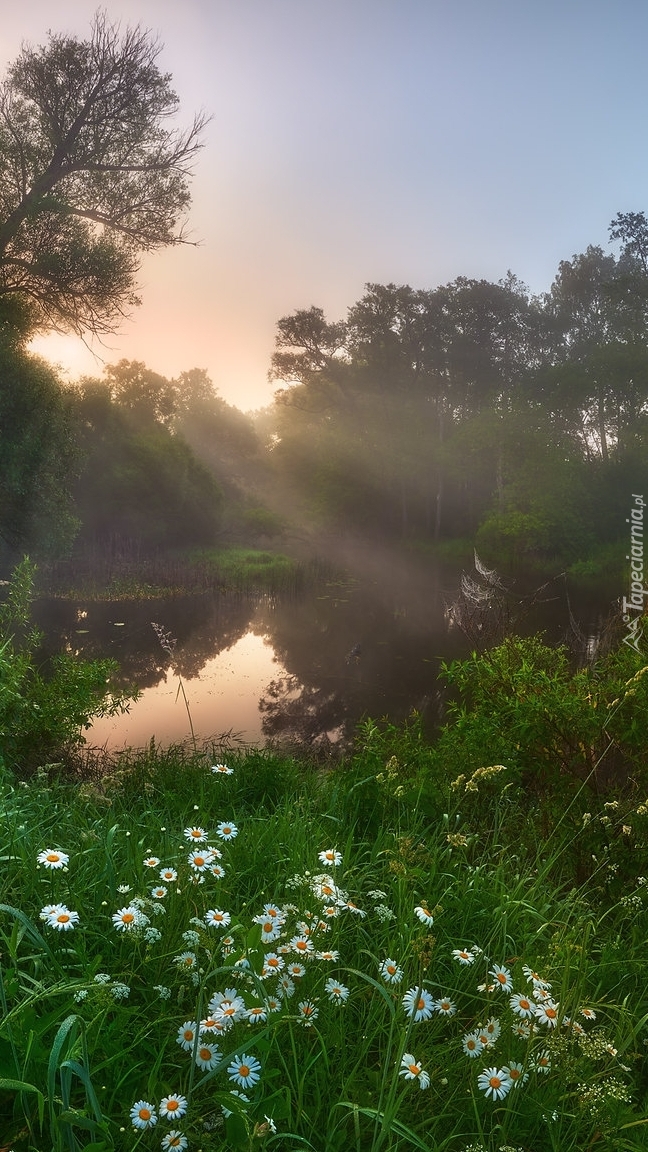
(449, 896)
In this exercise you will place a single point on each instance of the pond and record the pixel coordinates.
(303, 668)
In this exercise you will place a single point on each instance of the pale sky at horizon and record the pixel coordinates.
(411, 141)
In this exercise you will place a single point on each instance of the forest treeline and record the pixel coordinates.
(473, 410)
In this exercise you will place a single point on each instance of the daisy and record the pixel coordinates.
(53, 859)
(302, 946)
(151, 862)
(229, 1011)
(472, 1044)
(516, 1074)
(331, 911)
(207, 1055)
(50, 910)
(270, 929)
(271, 912)
(542, 994)
(209, 1025)
(411, 1070)
(424, 914)
(534, 978)
(244, 1070)
(173, 1107)
(286, 988)
(174, 1139)
(125, 919)
(522, 1005)
(522, 1029)
(331, 956)
(168, 874)
(330, 856)
(547, 1013)
(63, 919)
(214, 918)
(337, 993)
(493, 1027)
(463, 956)
(227, 831)
(444, 1006)
(325, 888)
(217, 870)
(542, 1061)
(257, 1014)
(418, 1003)
(296, 971)
(354, 908)
(222, 770)
(273, 1004)
(502, 978)
(196, 835)
(272, 964)
(199, 861)
(495, 1082)
(143, 1115)
(187, 960)
(308, 1012)
(159, 893)
(588, 1013)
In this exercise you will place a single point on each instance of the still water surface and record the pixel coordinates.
(303, 668)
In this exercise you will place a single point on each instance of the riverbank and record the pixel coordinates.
(130, 576)
(383, 956)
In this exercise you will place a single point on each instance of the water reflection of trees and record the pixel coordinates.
(353, 649)
(202, 626)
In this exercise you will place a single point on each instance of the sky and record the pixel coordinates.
(355, 141)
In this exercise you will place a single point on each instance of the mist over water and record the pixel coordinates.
(301, 669)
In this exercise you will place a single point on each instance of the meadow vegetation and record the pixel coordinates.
(423, 946)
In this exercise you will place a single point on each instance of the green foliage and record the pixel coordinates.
(523, 705)
(38, 453)
(42, 717)
(91, 1015)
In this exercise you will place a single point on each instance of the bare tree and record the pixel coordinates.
(91, 174)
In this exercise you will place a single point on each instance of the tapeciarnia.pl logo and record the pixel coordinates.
(635, 603)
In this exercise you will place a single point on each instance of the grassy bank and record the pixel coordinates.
(135, 577)
(464, 967)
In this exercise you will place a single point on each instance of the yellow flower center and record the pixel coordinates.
(501, 977)
(421, 1003)
(495, 1082)
(127, 918)
(53, 857)
(551, 1013)
(172, 1105)
(188, 1034)
(199, 861)
(144, 1114)
(514, 1074)
(414, 1069)
(244, 1070)
(205, 1054)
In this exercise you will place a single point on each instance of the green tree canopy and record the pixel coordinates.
(90, 174)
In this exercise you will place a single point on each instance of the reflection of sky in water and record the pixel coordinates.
(223, 698)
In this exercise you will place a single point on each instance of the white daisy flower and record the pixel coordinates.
(168, 874)
(207, 1055)
(308, 1012)
(494, 1082)
(463, 956)
(418, 1003)
(424, 914)
(226, 830)
(215, 918)
(143, 1115)
(502, 978)
(444, 1006)
(547, 1013)
(472, 1044)
(174, 1139)
(195, 835)
(337, 993)
(330, 856)
(411, 1069)
(173, 1107)
(151, 862)
(221, 770)
(522, 1005)
(516, 1074)
(244, 1070)
(52, 858)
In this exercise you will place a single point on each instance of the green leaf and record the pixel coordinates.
(21, 1086)
(236, 1131)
